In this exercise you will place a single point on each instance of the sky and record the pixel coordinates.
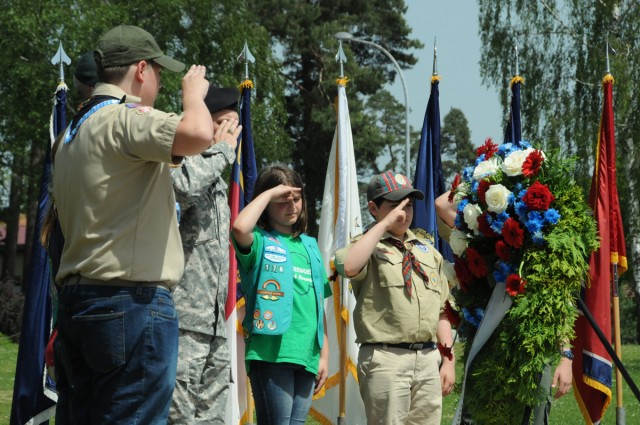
(454, 24)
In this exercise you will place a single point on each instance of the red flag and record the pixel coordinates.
(592, 369)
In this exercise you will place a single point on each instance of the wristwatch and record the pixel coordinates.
(567, 353)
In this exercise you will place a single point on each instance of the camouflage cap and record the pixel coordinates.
(391, 186)
(127, 44)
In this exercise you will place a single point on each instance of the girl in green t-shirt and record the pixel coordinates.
(284, 283)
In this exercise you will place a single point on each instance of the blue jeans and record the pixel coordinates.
(282, 392)
(115, 355)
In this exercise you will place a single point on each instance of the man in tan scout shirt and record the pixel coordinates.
(400, 291)
(118, 333)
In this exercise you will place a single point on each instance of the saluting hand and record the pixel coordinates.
(283, 193)
(397, 215)
(194, 85)
(228, 132)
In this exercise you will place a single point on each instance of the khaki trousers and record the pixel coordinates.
(400, 386)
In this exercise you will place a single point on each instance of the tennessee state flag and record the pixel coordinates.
(428, 176)
(243, 177)
(592, 369)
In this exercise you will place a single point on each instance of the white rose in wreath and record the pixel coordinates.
(486, 169)
(471, 213)
(512, 165)
(458, 242)
(497, 198)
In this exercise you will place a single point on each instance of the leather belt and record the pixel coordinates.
(414, 346)
(81, 280)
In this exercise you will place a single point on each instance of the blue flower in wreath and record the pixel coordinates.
(551, 216)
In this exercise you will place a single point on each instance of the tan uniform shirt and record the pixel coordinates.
(383, 312)
(114, 196)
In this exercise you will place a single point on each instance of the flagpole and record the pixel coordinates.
(342, 333)
(342, 35)
(245, 57)
(620, 412)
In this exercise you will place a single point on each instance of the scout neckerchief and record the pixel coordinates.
(87, 109)
(409, 262)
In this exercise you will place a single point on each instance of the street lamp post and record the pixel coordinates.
(349, 37)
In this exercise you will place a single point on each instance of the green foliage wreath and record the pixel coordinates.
(543, 266)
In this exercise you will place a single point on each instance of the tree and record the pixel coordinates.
(194, 32)
(562, 58)
(456, 147)
(303, 31)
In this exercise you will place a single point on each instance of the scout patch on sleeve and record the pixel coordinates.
(139, 109)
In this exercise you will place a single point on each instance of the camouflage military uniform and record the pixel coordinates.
(202, 380)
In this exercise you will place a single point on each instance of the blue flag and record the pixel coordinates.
(513, 132)
(428, 177)
(34, 396)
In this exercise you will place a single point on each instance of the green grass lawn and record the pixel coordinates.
(8, 355)
(563, 412)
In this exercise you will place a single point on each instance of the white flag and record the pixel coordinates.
(340, 221)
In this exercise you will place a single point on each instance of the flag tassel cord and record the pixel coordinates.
(609, 348)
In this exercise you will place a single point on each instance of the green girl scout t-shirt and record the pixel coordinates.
(299, 343)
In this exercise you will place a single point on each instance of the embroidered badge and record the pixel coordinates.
(271, 325)
(276, 249)
(421, 247)
(256, 314)
(275, 258)
(273, 268)
(433, 279)
(268, 315)
(143, 110)
(400, 179)
(259, 324)
(270, 291)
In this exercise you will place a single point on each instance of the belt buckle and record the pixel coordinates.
(416, 346)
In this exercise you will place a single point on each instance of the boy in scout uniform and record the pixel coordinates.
(117, 339)
(405, 364)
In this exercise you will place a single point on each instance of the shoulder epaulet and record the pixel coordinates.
(423, 234)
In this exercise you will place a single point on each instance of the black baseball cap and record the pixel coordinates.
(127, 44)
(391, 186)
(86, 70)
(219, 98)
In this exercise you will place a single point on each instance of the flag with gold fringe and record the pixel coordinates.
(340, 221)
(428, 176)
(592, 368)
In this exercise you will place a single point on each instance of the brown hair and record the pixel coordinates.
(112, 74)
(272, 176)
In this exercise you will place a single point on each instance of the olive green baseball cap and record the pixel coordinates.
(127, 44)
